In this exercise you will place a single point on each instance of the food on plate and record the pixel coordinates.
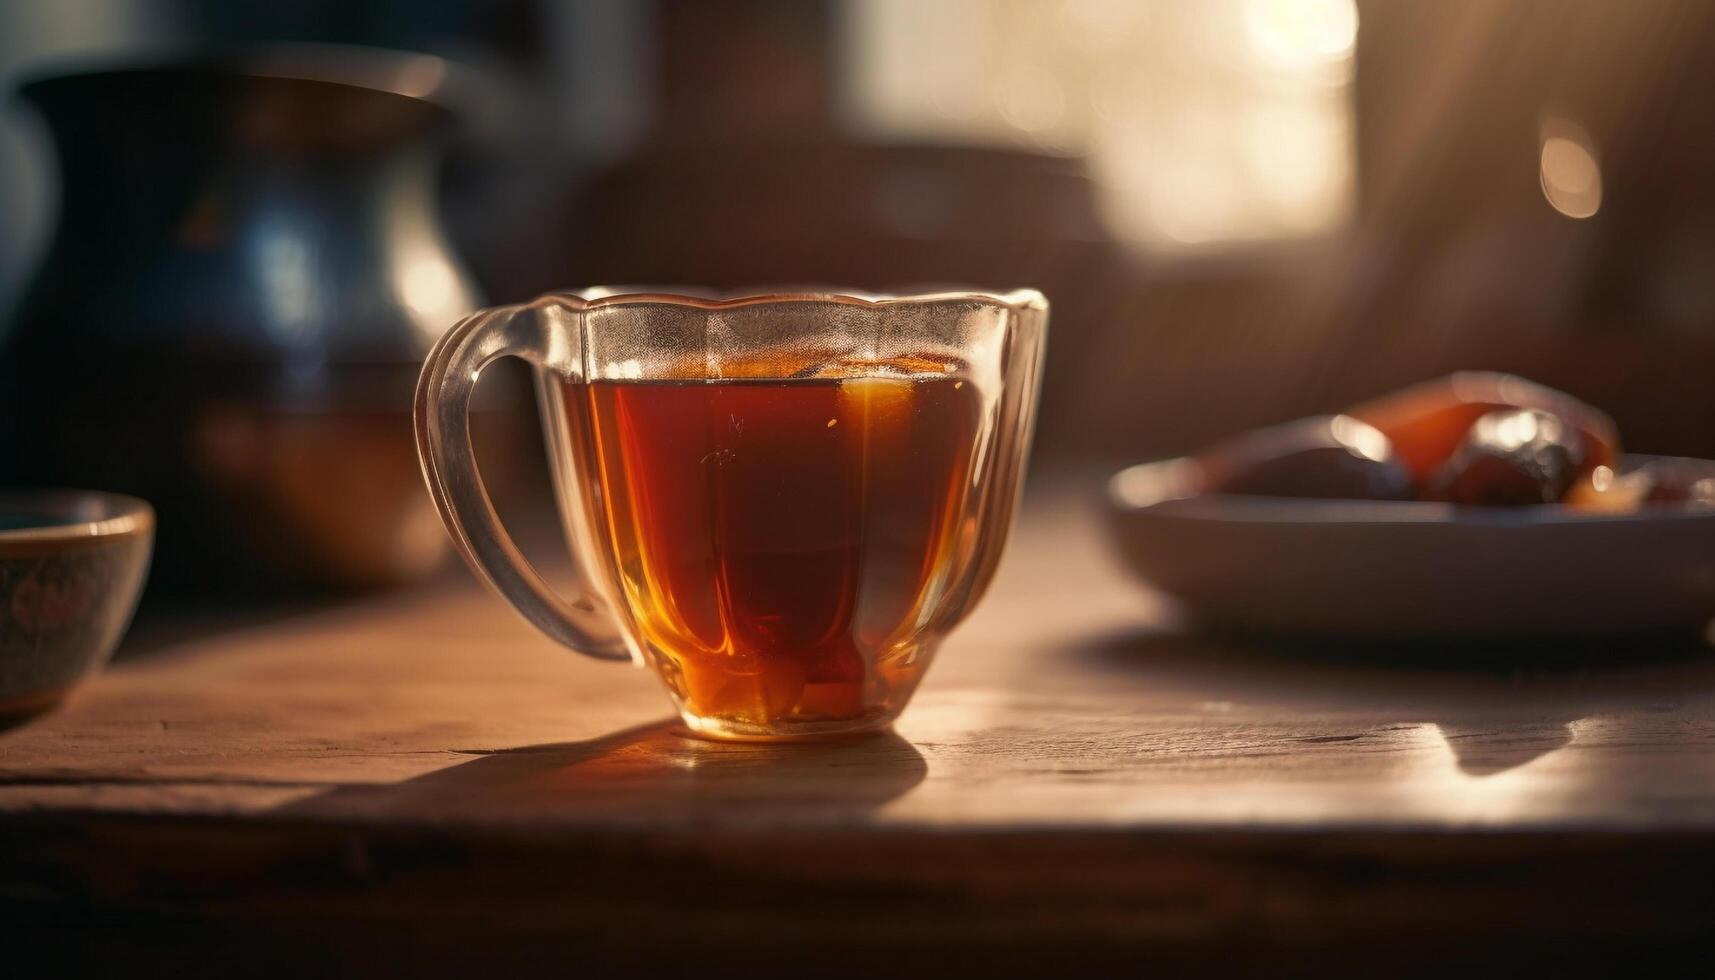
(1680, 481)
(1474, 439)
(1333, 456)
(1511, 458)
(1688, 483)
(1427, 422)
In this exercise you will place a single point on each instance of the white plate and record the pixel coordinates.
(1405, 569)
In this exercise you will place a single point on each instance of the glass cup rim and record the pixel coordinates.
(598, 297)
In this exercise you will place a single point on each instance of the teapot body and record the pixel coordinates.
(246, 270)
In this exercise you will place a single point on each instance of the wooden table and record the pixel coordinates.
(420, 783)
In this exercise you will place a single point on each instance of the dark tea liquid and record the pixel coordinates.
(781, 544)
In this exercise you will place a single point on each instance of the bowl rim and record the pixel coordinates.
(125, 515)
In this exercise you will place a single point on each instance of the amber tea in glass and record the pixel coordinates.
(780, 503)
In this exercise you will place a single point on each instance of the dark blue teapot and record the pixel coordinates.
(248, 269)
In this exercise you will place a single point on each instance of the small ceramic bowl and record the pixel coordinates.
(72, 565)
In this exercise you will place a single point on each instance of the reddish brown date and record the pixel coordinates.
(1512, 459)
(1330, 457)
(1428, 422)
(1688, 483)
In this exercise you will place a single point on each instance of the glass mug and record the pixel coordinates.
(781, 503)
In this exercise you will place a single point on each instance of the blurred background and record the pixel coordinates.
(228, 231)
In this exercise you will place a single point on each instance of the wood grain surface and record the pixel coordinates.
(1077, 774)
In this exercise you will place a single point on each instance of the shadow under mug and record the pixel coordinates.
(781, 503)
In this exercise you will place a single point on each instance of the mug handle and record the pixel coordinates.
(442, 418)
